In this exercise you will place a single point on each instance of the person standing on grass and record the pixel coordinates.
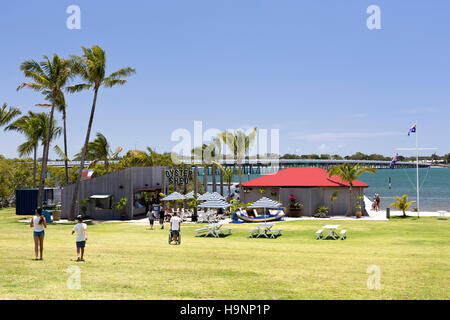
(151, 218)
(81, 237)
(162, 212)
(175, 226)
(38, 224)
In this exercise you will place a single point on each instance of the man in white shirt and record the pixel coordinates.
(81, 236)
(175, 226)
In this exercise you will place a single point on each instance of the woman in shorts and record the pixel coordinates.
(38, 224)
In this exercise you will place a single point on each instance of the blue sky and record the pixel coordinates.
(311, 69)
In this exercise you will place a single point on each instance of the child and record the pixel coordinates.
(81, 237)
(38, 224)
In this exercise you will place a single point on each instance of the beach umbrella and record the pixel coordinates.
(174, 196)
(216, 195)
(265, 203)
(204, 196)
(191, 195)
(215, 202)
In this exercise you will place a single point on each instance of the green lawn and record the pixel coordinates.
(125, 261)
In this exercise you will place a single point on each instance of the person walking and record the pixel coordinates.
(161, 216)
(151, 218)
(175, 226)
(81, 237)
(38, 224)
(378, 200)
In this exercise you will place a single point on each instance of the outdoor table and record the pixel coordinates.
(332, 233)
(442, 215)
(213, 229)
(264, 229)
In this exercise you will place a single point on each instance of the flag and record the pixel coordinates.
(86, 174)
(394, 160)
(412, 129)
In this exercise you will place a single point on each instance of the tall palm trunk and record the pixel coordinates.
(107, 165)
(350, 207)
(45, 158)
(34, 165)
(66, 165)
(73, 206)
(240, 177)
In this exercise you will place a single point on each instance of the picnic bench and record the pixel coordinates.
(264, 230)
(213, 229)
(331, 233)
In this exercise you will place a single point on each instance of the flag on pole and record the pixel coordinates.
(412, 129)
(394, 160)
(86, 174)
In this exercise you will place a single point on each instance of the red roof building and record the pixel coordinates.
(301, 177)
(309, 186)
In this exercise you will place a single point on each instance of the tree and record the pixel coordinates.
(402, 204)
(35, 128)
(333, 198)
(228, 177)
(99, 150)
(91, 67)
(239, 143)
(7, 115)
(61, 106)
(50, 77)
(348, 173)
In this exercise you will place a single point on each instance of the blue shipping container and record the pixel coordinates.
(26, 201)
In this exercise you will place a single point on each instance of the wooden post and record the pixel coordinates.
(185, 176)
(194, 216)
(214, 176)
(221, 183)
(205, 178)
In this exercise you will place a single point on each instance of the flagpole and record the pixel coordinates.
(417, 169)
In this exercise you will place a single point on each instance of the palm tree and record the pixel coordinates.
(348, 173)
(99, 150)
(48, 77)
(61, 106)
(239, 143)
(6, 116)
(402, 204)
(92, 69)
(333, 198)
(34, 126)
(228, 177)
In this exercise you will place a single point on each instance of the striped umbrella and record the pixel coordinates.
(265, 203)
(191, 195)
(216, 195)
(204, 196)
(174, 196)
(215, 202)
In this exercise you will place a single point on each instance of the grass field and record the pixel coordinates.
(128, 261)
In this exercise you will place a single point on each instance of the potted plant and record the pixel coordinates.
(120, 206)
(358, 207)
(295, 207)
(83, 206)
(321, 212)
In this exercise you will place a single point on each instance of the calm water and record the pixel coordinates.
(434, 191)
